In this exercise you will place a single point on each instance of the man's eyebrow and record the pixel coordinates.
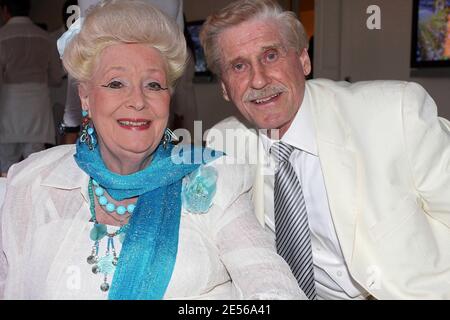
(272, 46)
(234, 60)
(278, 46)
(264, 48)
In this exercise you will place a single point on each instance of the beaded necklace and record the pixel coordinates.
(106, 264)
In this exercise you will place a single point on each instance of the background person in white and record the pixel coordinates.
(29, 63)
(373, 158)
(58, 94)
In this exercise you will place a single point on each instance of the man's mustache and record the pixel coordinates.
(265, 92)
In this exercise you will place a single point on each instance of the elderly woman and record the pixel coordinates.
(116, 217)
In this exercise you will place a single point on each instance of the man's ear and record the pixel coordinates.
(83, 93)
(305, 62)
(224, 92)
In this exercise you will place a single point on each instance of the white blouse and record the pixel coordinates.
(223, 254)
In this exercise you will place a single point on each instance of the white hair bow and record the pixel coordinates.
(67, 36)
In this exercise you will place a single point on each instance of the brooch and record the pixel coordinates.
(199, 188)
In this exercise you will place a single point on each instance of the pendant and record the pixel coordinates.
(98, 232)
(122, 237)
(105, 264)
(105, 285)
(95, 269)
(92, 259)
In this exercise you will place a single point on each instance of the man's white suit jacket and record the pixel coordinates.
(385, 157)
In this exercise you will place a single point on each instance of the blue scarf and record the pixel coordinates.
(150, 248)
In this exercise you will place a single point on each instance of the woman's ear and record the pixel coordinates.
(83, 93)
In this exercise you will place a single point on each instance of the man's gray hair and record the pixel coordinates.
(240, 11)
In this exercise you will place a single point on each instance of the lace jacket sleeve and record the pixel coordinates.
(3, 265)
(13, 231)
(246, 249)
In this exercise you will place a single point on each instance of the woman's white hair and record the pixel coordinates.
(240, 11)
(125, 21)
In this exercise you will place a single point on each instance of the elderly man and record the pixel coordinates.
(360, 200)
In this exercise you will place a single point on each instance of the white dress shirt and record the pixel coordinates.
(333, 280)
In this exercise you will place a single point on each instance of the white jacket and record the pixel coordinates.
(385, 157)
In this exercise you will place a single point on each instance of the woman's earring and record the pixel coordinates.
(168, 137)
(87, 132)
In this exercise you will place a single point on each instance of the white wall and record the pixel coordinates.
(347, 48)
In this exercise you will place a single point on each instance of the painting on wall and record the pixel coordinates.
(431, 34)
(193, 39)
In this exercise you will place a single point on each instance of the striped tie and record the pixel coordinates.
(292, 233)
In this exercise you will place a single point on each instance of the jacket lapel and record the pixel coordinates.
(340, 166)
(258, 185)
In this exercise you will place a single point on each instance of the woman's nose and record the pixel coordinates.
(137, 99)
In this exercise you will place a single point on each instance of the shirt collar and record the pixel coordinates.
(67, 175)
(301, 133)
(19, 19)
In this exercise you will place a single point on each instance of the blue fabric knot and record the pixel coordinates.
(199, 188)
(67, 36)
(150, 247)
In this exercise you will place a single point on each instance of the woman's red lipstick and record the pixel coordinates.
(134, 124)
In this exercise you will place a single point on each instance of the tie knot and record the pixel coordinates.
(281, 151)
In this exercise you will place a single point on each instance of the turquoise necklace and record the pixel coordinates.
(106, 264)
(108, 206)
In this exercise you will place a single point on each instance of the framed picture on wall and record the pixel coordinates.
(193, 39)
(431, 34)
